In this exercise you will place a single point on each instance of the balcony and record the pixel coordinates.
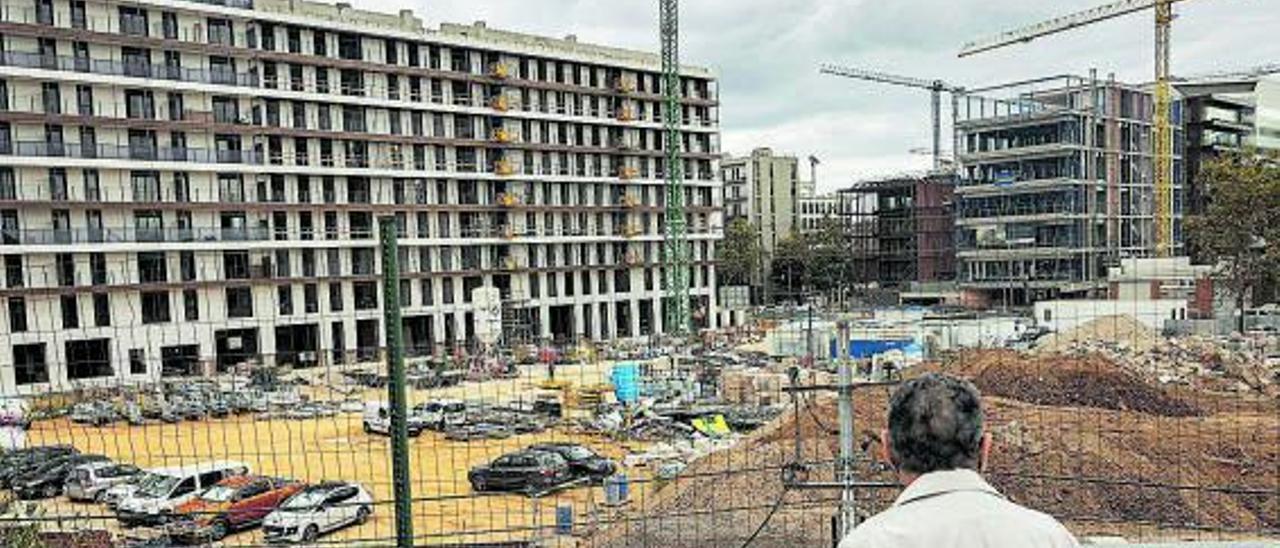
(127, 152)
(127, 68)
(132, 235)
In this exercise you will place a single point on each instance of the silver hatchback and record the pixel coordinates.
(88, 482)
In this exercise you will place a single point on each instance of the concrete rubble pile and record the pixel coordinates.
(1227, 364)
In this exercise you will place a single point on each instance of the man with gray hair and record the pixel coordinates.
(937, 445)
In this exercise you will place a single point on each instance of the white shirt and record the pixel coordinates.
(957, 509)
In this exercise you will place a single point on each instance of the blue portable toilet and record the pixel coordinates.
(616, 490)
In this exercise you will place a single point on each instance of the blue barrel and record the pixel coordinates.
(616, 490)
(626, 382)
(564, 519)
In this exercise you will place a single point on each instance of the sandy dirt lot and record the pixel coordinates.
(333, 448)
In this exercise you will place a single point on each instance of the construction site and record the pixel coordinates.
(307, 273)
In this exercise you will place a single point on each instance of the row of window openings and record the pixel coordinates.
(146, 187)
(135, 21)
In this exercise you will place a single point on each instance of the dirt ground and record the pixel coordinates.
(336, 448)
(1141, 461)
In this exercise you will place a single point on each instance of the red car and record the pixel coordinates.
(233, 504)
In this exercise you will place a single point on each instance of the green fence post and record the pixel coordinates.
(395, 388)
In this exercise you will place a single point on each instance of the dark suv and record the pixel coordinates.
(528, 471)
(583, 462)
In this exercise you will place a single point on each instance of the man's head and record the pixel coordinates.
(935, 423)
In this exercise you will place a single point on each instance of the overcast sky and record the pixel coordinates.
(766, 54)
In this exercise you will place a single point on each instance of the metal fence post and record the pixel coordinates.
(388, 231)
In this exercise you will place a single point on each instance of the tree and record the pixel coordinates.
(1240, 230)
(740, 255)
(789, 267)
(831, 258)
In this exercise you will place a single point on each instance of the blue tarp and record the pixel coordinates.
(861, 348)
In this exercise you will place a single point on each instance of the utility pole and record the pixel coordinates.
(844, 468)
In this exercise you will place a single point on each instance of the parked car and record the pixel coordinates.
(21, 461)
(527, 470)
(234, 504)
(90, 481)
(377, 420)
(317, 510)
(46, 481)
(441, 414)
(153, 502)
(99, 413)
(584, 462)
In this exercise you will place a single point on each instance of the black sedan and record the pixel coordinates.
(47, 480)
(528, 471)
(583, 462)
(23, 461)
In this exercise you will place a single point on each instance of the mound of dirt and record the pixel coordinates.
(1065, 381)
(1121, 330)
(1077, 437)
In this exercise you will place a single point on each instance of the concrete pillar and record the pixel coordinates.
(544, 329)
(635, 317)
(657, 315)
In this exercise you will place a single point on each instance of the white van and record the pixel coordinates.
(377, 420)
(163, 489)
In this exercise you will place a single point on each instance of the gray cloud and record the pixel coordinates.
(767, 53)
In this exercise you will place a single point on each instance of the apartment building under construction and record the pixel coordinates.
(1056, 185)
(187, 186)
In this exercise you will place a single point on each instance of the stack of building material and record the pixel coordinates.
(751, 386)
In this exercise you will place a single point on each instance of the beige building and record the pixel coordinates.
(190, 186)
(765, 189)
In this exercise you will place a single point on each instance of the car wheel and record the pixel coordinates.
(219, 530)
(478, 483)
(311, 533)
(362, 515)
(367, 430)
(50, 491)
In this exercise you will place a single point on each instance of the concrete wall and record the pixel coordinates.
(1065, 315)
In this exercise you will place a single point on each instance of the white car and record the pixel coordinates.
(318, 510)
(163, 489)
(90, 482)
(441, 414)
(377, 420)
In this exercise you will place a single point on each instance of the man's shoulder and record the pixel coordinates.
(897, 525)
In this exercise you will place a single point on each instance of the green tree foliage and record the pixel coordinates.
(740, 256)
(1240, 230)
(818, 261)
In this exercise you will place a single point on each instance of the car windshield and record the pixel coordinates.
(455, 407)
(157, 486)
(431, 407)
(304, 500)
(578, 453)
(218, 493)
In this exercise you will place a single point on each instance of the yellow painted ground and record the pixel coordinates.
(336, 448)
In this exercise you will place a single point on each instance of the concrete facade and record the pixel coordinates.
(185, 187)
(764, 188)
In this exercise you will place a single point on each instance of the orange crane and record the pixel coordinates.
(1163, 142)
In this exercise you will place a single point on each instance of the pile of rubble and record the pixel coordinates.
(1104, 448)
(1231, 363)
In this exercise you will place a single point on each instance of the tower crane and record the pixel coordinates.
(1163, 141)
(675, 248)
(935, 87)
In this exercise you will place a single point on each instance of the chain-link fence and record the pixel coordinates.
(164, 421)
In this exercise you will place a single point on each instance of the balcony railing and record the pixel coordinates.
(42, 236)
(127, 68)
(129, 152)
